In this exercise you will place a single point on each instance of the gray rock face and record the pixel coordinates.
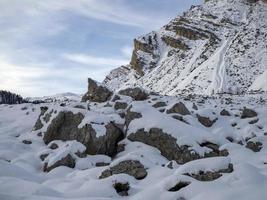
(169, 147)
(131, 167)
(248, 113)
(211, 175)
(65, 127)
(136, 93)
(178, 108)
(67, 161)
(205, 121)
(96, 92)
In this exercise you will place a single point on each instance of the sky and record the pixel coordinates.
(53, 46)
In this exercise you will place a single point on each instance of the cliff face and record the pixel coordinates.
(213, 48)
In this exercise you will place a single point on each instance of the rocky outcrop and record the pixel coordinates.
(136, 93)
(96, 92)
(146, 45)
(130, 167)
(130, 116)
(248, 113)
(65, 127)
(67, 161)
(159, 104)
(168, 146)
(179, 108)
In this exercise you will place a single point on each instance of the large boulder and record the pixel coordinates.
(169, 148)
(65, 127)
(248, 113)
(179, 108)
(96, 92)
(136, 93)
(131, 167)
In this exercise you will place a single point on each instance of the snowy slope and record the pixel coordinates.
(21, 169)
(213, 48)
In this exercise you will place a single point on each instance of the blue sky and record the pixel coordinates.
(52, 46)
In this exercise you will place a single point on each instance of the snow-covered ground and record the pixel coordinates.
(21, 169)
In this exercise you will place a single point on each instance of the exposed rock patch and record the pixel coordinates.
(122, 188)
(210, 175)
(248, 113)
(178, 108)
(136, 93)
(67, 161)
(130, 167)
(205, 121)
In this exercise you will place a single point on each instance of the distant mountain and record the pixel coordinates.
(10, 98)
(218, 47)
(67, 96)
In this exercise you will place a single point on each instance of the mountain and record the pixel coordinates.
(67, 96)
(217, 47)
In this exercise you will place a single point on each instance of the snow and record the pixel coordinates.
(22, 176)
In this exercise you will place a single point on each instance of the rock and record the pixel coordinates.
(122, 188)
(225, 113)
(195, 106)
(120, 105)
(67, 161)
(26, 141)
(168, 146)
(53, 146)
(65, 127)
(178, 186)
(210, 175)
(253, 121)
(115, 98)
(205, 121)
(248, 113)
(136, 93)
(159, 104)
(178, 108)
(254, 146)
(131, 167)
(130, 116)
(43, 156)
(96, 92)
(80, 107)
(38, 125)
(101, 164)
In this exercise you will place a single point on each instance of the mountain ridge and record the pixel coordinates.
(217, 47)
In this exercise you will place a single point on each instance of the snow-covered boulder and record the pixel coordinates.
(99, 132)
(96, 92)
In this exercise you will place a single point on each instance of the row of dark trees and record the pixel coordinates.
(10, 98)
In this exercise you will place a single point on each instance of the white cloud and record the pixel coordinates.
(95, 61)
(127, 51)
